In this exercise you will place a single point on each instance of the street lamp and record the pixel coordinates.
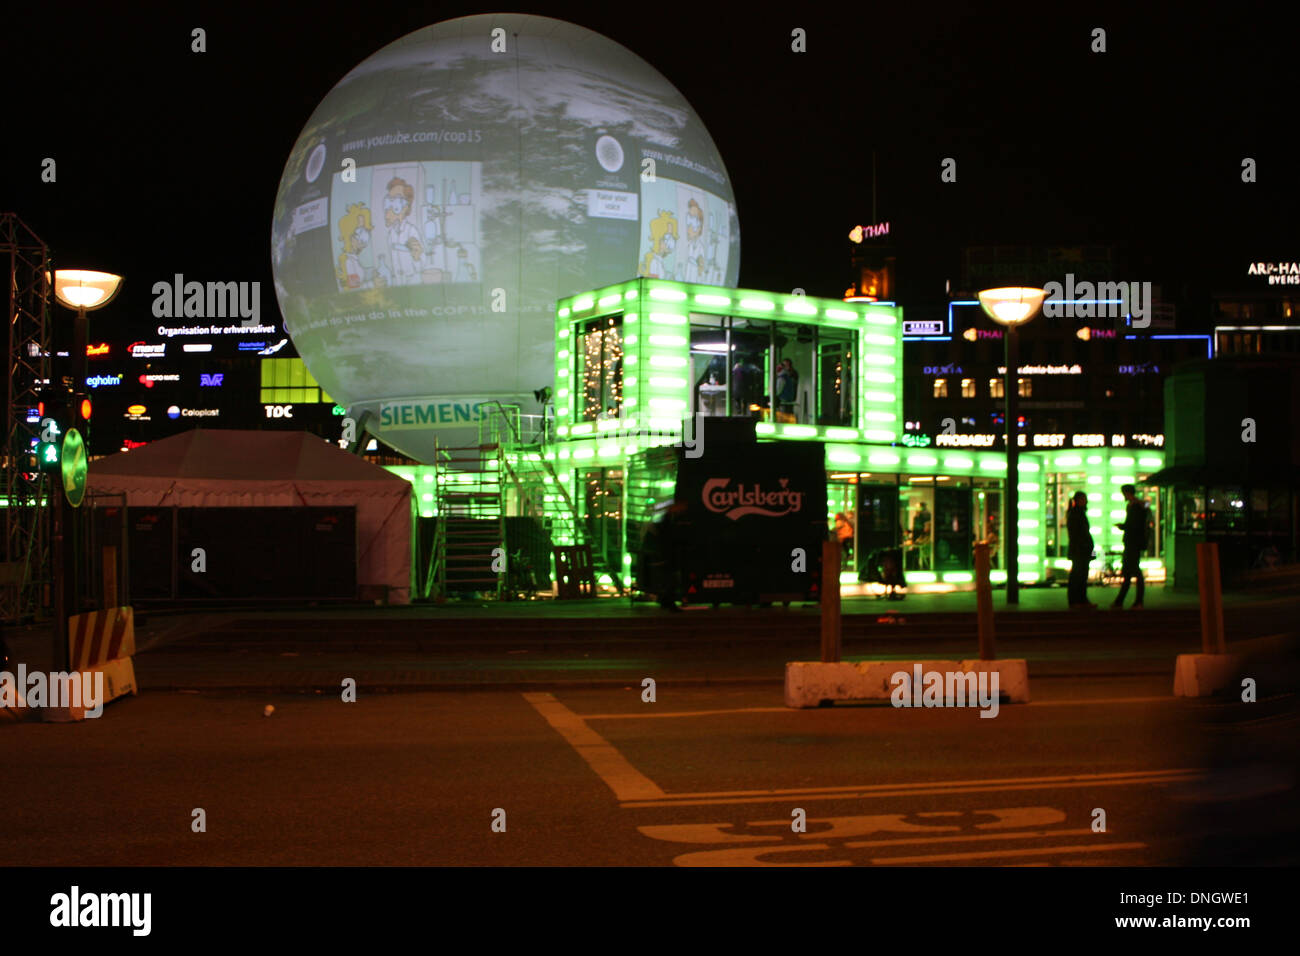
(82, 291)
(1011, 307)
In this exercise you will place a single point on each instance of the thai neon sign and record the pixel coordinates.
(869, 232)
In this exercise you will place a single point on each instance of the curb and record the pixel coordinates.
(439, 687)
(1155, 668)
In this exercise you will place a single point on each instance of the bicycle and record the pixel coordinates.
(1109, 573)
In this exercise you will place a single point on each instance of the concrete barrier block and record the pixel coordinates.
(809, 683)
(1200, 675)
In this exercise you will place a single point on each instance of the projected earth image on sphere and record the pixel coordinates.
(456, 183)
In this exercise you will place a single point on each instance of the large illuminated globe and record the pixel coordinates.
(452, 186)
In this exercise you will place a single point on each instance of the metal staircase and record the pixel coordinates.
(534, 487)
(471, 535)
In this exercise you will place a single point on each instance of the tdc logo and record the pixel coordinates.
(279, 411)
(211, 378)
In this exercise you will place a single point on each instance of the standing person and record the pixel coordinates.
(921, 537)
(991, 536)
(787, 387)
(1080, 549)
(1135, 542)
(660, 555)
(844, 532)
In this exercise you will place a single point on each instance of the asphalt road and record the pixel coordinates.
(702, 776)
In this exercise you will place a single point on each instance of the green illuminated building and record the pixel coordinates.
(633, 360)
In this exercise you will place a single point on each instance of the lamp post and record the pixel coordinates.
(82, 291)
(1011, 307)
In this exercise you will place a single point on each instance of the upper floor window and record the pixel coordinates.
(600, 369)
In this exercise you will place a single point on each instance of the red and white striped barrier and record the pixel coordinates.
(102, 641)
(97, 637)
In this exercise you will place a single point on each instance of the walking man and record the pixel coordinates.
(1080, 550)
(1135, 542)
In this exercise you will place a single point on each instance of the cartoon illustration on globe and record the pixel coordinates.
(663, 242)
(443, 196)
(694, 266)
(354, 234)
(675, 246)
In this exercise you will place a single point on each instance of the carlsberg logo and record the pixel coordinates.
(744, 499)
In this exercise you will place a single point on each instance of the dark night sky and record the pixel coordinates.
(168, 161)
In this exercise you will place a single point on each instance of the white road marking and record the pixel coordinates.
(1103, 700)
(639, 715)
(659, 714)
(917, 789)
(626, 781)
(843, 827)
(996, 854)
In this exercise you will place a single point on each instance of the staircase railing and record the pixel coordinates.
(580, 536)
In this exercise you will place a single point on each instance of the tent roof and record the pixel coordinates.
(230, 454)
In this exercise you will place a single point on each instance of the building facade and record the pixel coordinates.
(634, 360)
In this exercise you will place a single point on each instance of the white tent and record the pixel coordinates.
(223, 468)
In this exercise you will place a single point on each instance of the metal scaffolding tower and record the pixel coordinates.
(25, 573)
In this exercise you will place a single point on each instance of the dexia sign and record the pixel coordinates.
(427, 414)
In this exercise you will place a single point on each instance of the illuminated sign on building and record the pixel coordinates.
(136, 413)
(197, 347)
(200, 412)
(148, 380)
(211, 379)
(144, 350)
(1279, 273)
(964, 441)
(94, 350)
(1087, 333)
(1145, 368)
(1046, 440)
(1044, 370)
(167, 332)
(128, 444)
(859, 233)
(971, 334)
(924, 327)
(916, 441)
(279, 411)
(100, 381)
(942, 370)
(174, 412)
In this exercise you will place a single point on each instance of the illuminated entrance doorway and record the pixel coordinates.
(933, 520)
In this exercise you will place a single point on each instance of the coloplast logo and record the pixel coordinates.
(737, 502)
